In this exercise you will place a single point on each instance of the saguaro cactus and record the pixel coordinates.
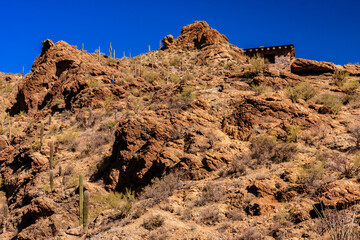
(110, 50)
(10, 128)
(6, 212)
(41, 134)
(114, 54)
(51, 180)
(81, 198)
(49, 120)
(60, 170)
(51, 155)
(86, 210)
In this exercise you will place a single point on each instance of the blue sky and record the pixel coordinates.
(320, 30)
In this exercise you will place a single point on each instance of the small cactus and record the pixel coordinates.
(82, 47)
(99, 53)
(114, 54)
(51, 154)
(81, 198)
(51, 180)
(49, 120)
(60, 170)
(86, 209)
(149, 49)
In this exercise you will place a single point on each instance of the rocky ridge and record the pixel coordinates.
(213, 149)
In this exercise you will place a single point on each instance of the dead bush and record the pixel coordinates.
(210, 215)
(355, 132)
(266, 149)
(338, 225)
(160, 189)
(237, 167)
(211, 193)
(153, 222)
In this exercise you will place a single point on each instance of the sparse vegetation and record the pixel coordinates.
(301, 90)
(333, 102)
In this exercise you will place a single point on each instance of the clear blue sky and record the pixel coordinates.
(321, 30)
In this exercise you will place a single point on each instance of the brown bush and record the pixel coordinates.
(267, 149)
(211, 193)
(161, 189)
(153, 222)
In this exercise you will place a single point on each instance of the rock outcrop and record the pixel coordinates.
(59, 77)
(311, 67)
(197, 35)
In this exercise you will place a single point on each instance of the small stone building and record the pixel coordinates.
(281, 56)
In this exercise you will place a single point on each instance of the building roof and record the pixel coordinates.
(263, 49)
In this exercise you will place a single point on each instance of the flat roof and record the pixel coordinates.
(258, 49)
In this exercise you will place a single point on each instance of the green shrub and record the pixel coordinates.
(151, 76)
(175, 61)
(340, 77)
(257, 64)
(94, 82)
(333, 102)
(187, 94)
(301, 90)
(260, 88)
(174, 78)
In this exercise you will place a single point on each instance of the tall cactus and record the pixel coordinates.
(10, 128)
(99, 54)
(60, 170)
(86, 210)
(114, 54)
(81, 198)
(110, 50)
(51, 180)
(6, 212)
(51, 159)
(41, 134)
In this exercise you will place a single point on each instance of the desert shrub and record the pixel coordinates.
(187, 77)
(340, 77)
(333, 102)
(108, 100)
(122, 202)
(210, 215)
(2, 130)
(260, 88)
(355, 132)
(339, 225)
(257, 64)
(153, 222)
(151, 76)
(160, 189)
(94, 82)
(348, 167)
(311, 172)
(175, 61)
(68, 136)
(187, 94)
(265, 149)
(293, 132)
(211, 192)
(351, 85)
(174, 78)
(237, 167)
(302, 90)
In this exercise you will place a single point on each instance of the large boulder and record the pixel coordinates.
(311, 67)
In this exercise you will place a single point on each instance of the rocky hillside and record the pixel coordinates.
(192, 141)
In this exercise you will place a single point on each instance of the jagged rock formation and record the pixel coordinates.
(197, 35)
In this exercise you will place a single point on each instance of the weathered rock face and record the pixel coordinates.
(250, 113)
(61, 74)
(196, 35)
(353, 69)
(310, 67)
